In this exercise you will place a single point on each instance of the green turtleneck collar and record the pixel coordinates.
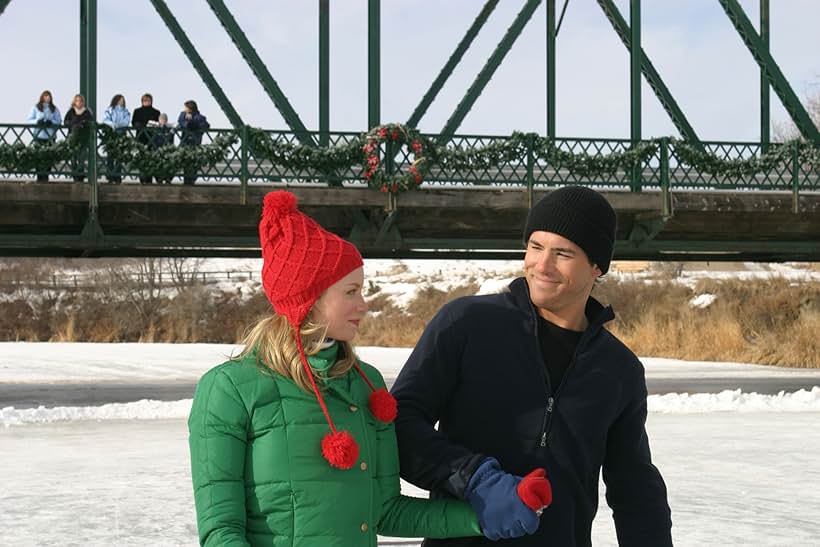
(322, 361)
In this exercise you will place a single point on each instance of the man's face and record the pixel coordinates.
(146, 101)
(559, 276)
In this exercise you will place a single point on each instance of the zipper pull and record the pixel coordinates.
(544, 439)
(550, 403)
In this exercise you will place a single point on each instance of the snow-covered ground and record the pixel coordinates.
(742, 469)
(402, 279)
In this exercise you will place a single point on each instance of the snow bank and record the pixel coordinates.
(737, 401)
(139, 410)
(673, 403)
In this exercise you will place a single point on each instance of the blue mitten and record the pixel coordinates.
(494, 497)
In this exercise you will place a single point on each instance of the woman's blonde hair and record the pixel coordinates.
(275, 346)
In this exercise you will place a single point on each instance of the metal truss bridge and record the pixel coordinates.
(678, 198)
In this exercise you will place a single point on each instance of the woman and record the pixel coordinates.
(78, 119)
(45, 115)
(117, 117)
(192, 124)
(292, 443)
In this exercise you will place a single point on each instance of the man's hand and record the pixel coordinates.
(494, 496)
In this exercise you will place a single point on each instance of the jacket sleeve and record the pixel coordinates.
(423, 388)
(56, 118)
(634, 487)
(404, 516)
(218, 427)
(32, 115)
(108, 118)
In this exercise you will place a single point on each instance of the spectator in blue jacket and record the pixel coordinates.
(45, 115)
(191, 126)
(531, 378)
(118, 118)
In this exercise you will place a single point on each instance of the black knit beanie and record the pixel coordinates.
(581, 215)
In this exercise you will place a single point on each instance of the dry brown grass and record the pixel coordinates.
(390, 326)
(772, 322)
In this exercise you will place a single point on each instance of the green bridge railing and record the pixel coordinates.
(403, 159)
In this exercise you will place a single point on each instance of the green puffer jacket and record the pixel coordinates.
(260, 478)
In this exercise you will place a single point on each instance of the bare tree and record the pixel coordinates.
(139, 283)
(786, 130)
(184, 272)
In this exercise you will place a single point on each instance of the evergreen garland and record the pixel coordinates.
(39, 157)
(778, 155)
(168, 160)
(367, 153)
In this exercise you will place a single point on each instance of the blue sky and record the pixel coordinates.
(691, 43)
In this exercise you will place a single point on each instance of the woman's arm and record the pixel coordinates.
(403, 516)
(108, 117)
(218, 427)
(32, 114)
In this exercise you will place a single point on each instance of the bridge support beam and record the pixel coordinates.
(489, 69)
(765, 106)
(261, 71)
(771, 70)
(654, 79)
(452, 62)
(196, 61)
(373, 63)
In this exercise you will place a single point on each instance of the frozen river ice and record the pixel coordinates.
(734, 479)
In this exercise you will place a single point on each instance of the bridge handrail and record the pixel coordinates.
(521, 160)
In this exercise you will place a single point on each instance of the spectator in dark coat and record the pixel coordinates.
(191, 126)
(79, 121)
(162, 134)
(140, 121)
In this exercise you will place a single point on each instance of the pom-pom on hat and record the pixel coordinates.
(300, 261)
(581, 215)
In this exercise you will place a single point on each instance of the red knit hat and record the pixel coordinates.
(301, 260)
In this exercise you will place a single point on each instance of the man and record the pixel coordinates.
(530, 378)
(142, 115)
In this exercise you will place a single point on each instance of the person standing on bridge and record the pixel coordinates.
(118, 118)
(141, 120)
(191, 126)
(531, 378)
(45, 115)
(79, 120)
(292, 442)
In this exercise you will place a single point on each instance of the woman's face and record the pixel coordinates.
(187, 110)
(121, 101)
(47, 98)
(342, 306)
(78, 102)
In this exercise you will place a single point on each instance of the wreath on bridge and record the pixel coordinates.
(375, 153)
(394, 136)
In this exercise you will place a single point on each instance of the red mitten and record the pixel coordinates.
(535, 490)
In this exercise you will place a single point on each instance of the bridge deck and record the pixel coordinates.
(213, 218)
